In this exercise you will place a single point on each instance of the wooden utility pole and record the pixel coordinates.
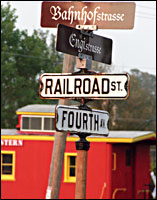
(59, 144)
(82, 146)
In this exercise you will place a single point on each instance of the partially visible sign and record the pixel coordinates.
(72, 119)
(72, 41)
(96, 86)
(106, 15)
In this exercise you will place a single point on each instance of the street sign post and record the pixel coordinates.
(83, 85)
(74, 86)
(75, 120)
(73, 42)
(106, 15)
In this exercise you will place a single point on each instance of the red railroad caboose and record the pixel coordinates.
(118, 166)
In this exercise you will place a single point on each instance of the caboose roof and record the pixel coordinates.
(37, 109)
(113, 137)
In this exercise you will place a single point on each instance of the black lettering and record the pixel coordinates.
(63, 86)
(70, 119)
(86, 85)
(113, 85)
(48, 86)
(119, 82)
(85, 119)
(91, 116)
(64, 112)
(102, 123)
(68, 92)
(107, 91)
(58, 87)
(95, 86)
(78, 120)
(78, 85)
(96, 122)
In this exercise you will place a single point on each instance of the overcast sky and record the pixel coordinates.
(134, 48)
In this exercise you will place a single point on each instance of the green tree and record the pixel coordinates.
(23, 59)
(138, 112)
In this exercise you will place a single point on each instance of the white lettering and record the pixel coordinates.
(7, 142)
(64, 15)
(81, 45)
(95, 12)
(75, 15)
(72, 39)
(2, 142)
(90, 16)
(55, 12)
(14, 143)
(99, 17)
(20, 142)
(70, 13)
(10, 143)
(84, 15)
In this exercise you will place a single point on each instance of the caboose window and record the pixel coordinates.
(33, 123)
(25, 123)
(7, 165)
(70, 167)
(49, 123)
(37, 123)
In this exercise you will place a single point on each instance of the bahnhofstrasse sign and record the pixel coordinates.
(106, 15)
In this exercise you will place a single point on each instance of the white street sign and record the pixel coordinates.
(90, 86)
(74, 120)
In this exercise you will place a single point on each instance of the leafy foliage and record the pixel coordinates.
(138, 112)
(23, 59)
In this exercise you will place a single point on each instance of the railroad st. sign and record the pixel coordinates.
(89, 86)
(106, 15)
(73, 42)
(75, 120)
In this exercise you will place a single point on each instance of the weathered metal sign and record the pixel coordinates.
(73, 119)
(72, 41)
(73, 86)
(106, 15)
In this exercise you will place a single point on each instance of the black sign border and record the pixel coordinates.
(76, 98)
(77, 108)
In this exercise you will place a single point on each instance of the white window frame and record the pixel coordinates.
(42, 123)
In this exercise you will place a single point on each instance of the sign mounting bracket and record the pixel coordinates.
(83, 60)
(87, 32)
(87, 27)
(84, 107)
